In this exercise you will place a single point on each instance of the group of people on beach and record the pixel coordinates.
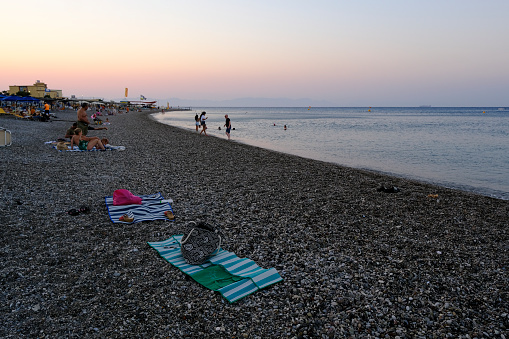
(79, 130)
(30, 112)
(200, 121)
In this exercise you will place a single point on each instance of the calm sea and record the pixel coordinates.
(465, 148)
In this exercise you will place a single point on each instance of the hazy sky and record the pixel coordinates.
(349, 53)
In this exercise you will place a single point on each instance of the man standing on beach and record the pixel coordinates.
(83, 118)
(83, 121)
(228, 126)
(46, 111)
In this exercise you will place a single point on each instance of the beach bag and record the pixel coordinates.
(200, 244)
(61, 146)
(124, 197)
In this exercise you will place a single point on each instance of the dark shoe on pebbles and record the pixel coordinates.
(84, 209)
(385, 189)
(73, 212)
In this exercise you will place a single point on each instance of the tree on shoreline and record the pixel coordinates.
(23, 94)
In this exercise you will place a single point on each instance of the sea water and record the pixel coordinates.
(463, 148)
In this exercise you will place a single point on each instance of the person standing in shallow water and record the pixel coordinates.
(197, 122)
(203, 124)
(228, 125)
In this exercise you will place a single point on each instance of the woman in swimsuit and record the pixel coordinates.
(197, 122)
(85, 143)
(203, 124)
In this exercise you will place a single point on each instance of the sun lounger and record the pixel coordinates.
(2, 111)
(5, 137)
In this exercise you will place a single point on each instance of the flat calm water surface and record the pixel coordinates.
(464, 148)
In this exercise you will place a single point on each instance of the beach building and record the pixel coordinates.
(37, 90)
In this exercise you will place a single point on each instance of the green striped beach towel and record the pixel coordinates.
(233, 277)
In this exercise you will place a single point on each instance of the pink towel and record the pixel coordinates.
(124, 197)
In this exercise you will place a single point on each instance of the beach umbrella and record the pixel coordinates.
(26, 99)
(11, 98)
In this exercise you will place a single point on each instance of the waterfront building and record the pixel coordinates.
(37, 90)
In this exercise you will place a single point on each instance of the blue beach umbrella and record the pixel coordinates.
(26, 99)
(11, 98)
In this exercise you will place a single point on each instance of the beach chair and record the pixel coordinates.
(5, 137)
(13, 113)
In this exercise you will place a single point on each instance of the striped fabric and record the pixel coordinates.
(151, 208)
(255, 277)
(76, 148)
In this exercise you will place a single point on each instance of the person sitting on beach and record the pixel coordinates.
(85, 143)
(70, 132)
(203, 124)
(97, 120)
(37, 116)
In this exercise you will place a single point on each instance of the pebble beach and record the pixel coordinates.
(356, 262)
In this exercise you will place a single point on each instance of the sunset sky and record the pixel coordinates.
(347, 53)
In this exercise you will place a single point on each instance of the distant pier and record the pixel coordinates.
(173, 109)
